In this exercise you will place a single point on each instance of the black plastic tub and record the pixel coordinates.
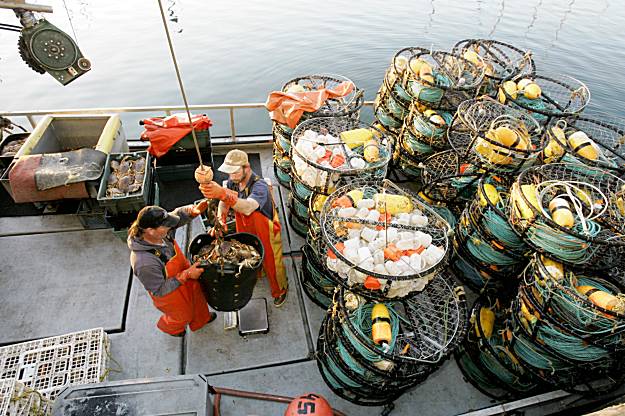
(228, 289)
(5, 161)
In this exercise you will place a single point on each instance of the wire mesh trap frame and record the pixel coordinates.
(396, 72)
(346, 382)
(441, 80)
(486, 342)
(559, 96)
(51, 364)
(549, 293)
(502, 60)
(591, 234)
(546, 363)
(386, 214)
(431, 324)
(344, 149)
(348, 105)
(314, 281)
(500, 138)
(449, 179)
(427, 127)
(281, 139)
(594, 140)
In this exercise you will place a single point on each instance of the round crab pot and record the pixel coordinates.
(229, 288)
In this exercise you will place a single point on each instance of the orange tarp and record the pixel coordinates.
(287, 108)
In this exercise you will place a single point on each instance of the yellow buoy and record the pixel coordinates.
(472, 57)
(372, 151)
(489, 193)
(523, 83)
(521, 208)
(381, 331)
(356, 137)
(555, 269)
(583, 145)
(320, 199)
(532, 91)
(557, 139)
(416, 64)
(487, 322)
(434, 117)
(295, 88)
(602, 299)
(393, 204)
(561, 212)
(510, 88)
(401, 63)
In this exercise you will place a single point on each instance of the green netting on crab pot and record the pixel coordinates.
(593, 139)
(382, 239)
(546, 96)
(501, 60)
(384, 115)
(449, 179)
(488, 214)
(499, 138)
(425, 329)
(348, 105)
(429, 126)
(488, 316)
(281, 141)
(564, 299)
(329, 151)
(572, 215)
(441, 80)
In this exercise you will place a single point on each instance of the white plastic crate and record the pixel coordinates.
(51, 364)
(18, 400)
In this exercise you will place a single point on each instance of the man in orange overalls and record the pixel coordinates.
(255, 213)
(165, 272)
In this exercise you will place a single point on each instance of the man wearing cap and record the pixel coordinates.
(255, 212)
(165, 272)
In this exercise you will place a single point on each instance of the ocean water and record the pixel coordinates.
(239, 52)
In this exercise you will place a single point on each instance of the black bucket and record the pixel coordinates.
(226, 289)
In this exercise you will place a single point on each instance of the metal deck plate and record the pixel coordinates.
(253, 318)
(61, 282)
(211, 350)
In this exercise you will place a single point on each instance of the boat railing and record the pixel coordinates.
(231, 109)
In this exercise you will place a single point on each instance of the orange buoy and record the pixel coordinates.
(309, 404)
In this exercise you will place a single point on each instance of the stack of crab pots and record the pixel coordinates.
(396, 315)
(348, 106)
(328, 152)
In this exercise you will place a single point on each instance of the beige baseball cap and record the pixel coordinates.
(233, 161)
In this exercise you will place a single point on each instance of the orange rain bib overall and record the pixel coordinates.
(184, 306)
(268, 231)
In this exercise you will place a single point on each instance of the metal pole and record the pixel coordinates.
(184, 95)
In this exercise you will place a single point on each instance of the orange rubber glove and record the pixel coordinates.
(199, 208)
(214, 191)
(194, 272)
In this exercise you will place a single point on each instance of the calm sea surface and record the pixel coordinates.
(239, 51)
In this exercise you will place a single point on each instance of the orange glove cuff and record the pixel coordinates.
(230, 198)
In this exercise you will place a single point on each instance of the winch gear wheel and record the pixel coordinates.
(27, 57)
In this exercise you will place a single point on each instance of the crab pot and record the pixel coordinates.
(358, 369)
(381, 241)
(501, 61)
(557, 96)
(449, 179)
(441, 80)
(330, 151)
(572, 213)
(595, 141)
(547, 363)
(228, 288)
(315, 284)
(496, 137)
(545, 293)
(484, 358)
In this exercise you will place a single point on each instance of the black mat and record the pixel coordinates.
(8, 208)
(177, 192)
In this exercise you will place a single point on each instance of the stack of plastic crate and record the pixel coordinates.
(47, 366)
(18, 400)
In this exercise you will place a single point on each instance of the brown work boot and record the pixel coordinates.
(279, 301)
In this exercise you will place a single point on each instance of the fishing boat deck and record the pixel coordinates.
(58, 277)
